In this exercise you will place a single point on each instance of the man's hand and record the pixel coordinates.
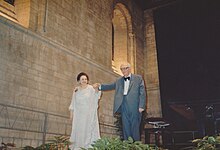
(141, 110)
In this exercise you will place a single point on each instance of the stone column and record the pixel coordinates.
(151, 65)
(132, 51)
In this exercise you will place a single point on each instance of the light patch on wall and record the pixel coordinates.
(18, 13)
(8, 11)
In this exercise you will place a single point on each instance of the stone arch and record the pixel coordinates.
(123, 48)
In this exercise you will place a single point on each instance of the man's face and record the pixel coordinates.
(125, 69)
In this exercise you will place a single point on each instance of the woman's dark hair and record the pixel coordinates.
(82, 74)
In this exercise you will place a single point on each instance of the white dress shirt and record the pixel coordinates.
(126, 85)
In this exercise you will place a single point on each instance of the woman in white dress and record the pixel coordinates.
(83, 111)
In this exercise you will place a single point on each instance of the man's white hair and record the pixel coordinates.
(126, 63)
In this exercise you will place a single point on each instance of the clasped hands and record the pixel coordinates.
(96, 86)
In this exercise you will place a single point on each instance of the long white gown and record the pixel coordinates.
(85, 125)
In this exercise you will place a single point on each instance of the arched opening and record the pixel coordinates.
(123, 40)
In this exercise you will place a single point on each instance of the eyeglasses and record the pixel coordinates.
(125, 68)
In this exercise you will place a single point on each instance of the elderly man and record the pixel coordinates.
(129, 100)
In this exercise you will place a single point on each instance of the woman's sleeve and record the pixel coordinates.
(98, 94)
(71, 107)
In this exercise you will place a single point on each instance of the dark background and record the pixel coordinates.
(188, 49)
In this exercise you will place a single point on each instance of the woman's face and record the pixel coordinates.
(83, 80)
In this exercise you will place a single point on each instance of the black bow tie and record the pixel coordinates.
(128, 78)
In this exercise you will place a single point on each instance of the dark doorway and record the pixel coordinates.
(188, 48)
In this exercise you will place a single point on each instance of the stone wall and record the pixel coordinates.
(39, 75)
(83, 27)
(39, 64)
